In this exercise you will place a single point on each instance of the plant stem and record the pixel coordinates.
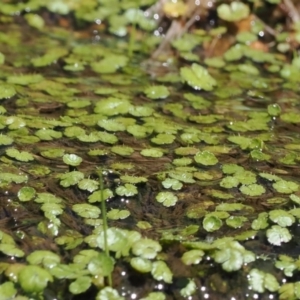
(104, 218)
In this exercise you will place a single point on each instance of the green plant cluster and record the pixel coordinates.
(130, 149)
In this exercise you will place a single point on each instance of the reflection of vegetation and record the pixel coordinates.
(192, 111)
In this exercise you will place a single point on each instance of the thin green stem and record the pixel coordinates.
(104, 218)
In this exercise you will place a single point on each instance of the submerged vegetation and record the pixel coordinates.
(149, 149)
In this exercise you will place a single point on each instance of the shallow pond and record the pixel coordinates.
(199, 168)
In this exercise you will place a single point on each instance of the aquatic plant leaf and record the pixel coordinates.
(70, 271)
(140, 264)
(101, 265)
(258, 155)
(152, 152)
(47, 198)
(112, 106)
(157, 92)
(212, 223)
(86, 210)
(235, 11)
(106, 137)
(160, 271)
(35, 20)
(96, 196)
(252, 189)
(163, 139)
(45, 258)
(295, 198)
(133, 179)
(70, 240)
(48, 134)
(206, 158)
(109, 64)
(34, 279)
(70, 178)
(140, 111)
(127, 190)
(166, 198)
(5, 140)
(122, 150)
(281, 217)
(232, 255)
(197, 77)
(231, 168)
(8, 290)
(261, 222)
(26, 193)
(290, 290)
(53, 153)
(9, 177)
(11, 249)
(261, 281)
(117, 214)
(236, 221)
(285, 187)
(25, 79)
(19, 155)
(146, 248)
(119, 240)
(189, 289)
(109, 293)
(229, 182)
(155, 296)
(111, 125)
(286, 264)
(277, 235)
(72, 159)
(174, 184)
(274, 110)
(80, 285)
(88, 185)
(270, 177)
(192, 257)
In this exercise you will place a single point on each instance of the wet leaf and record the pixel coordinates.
(26, 193)
(140, 264)
(157, 92)
(146, 248)
(192, 257)
(160, 271)
(166, 198)
(86, 210)
(206, 158)
(281, 217)
(252, 189)
(45, 258)
(72, 159)
(285, 187)
(19, 155)
(80, 285)
(235, 11)
(212, 223)
(34, 279)
(71, 178)
(127, 190)
(7, 290)
(197, 77)
(277, 235)
(88, 185)
(109, 293)
(117, 214)
(261, 281)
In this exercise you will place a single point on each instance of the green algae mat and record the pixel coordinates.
(149, 150)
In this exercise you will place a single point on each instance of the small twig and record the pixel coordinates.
(292, 10)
